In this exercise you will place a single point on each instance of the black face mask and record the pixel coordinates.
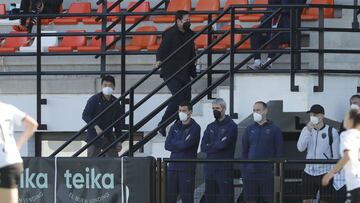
(217, 114)
(186, 25)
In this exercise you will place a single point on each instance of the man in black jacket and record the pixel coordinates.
(173, 38)
(36, 7)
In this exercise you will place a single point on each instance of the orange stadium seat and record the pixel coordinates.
(174, 6)
(91, 20)
(78, 7)
(12, 44)
(254, 17)
(202, 40)
(227, 17)
(139, 42)
(205, 5)
(225, 43)
(312, 14)
(69, 43)
(95, 44)
(2, 9)
(143, 7)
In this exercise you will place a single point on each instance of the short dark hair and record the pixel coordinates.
(185, 103)
(355, 96)
(180, 14)
(108, 78)
(354, 115)
(262, 103)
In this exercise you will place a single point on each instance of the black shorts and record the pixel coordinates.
(10, 175)
(312, 184)
(355, 195)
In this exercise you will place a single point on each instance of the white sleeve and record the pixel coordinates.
(336, 143)
(345, 142)
(304, 139)
(18, 116)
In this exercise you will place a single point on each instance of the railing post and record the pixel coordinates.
(279, 181)
(158, 180)
(123, 64)
(355, 23)
(209, 57)
(131, 123)
(39, 100)
(320, 86)
(164, 183)
(232, 63)
(293, 87)
(103, 37)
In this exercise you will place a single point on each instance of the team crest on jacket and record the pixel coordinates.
(323, 135)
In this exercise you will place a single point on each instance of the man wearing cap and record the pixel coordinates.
(321, 142)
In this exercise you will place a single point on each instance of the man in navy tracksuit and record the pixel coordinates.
(261, 140)
(183, 142)
(219, 143)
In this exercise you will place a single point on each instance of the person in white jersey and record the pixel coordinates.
(350, 152)
(10, 159)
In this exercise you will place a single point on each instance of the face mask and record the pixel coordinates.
(354, 107)
(107, 91)
(186, 25)
(257, 117)
(314, 120)
(217, 114)
(183, 116)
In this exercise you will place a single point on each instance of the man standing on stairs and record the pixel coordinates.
(321, 141)
(219, 142)
(182, 142)
(261, 140)
(35, 7)
(95, 105)
(173, 38)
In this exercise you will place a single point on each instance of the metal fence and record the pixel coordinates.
(235, 180)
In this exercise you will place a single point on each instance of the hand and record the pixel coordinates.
(156, 64)
(118, 146)
(310, 126)
(98, 129)
(326, 179)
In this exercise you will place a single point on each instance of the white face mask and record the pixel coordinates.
(107, 91)
(314, 120)
(183, 116)
(354, 107)
(257, 117)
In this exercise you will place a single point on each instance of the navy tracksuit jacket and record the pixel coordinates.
(183, 142)
(219, 143)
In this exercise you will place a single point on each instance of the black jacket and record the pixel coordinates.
(173, 38)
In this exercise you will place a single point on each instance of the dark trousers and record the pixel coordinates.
(260, 38)
(258, 184)
(219, 187)
(100, 145)
(180, 183)
(174, 86)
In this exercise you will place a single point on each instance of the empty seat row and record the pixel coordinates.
(149, 42)
(309, 14)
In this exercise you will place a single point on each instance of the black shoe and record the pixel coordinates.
(162, 131)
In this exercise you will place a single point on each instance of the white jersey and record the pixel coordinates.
(350, 140)
(9, 116)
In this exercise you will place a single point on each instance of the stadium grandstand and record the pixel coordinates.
(51, 72)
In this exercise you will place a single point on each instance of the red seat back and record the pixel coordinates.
(117, 8)
(176, 5)
(97, 42)
(73, 41)
(2, 9)
(16, 42)
(144, 40)
(328, 12)
(226, 40)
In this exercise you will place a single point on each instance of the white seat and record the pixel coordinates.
(46, 42)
